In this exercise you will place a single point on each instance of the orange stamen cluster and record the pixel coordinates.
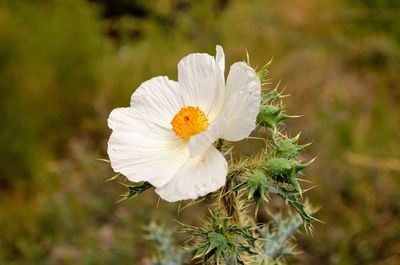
(188, 122)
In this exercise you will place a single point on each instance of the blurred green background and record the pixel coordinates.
(65, 64)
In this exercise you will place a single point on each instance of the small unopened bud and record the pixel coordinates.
(289, 148)
(285, 170)
(257, 186)
(270, 115)
(279, 168)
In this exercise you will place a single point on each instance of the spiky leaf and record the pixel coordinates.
(136, 189)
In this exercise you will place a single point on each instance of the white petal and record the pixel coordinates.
(201, 142)
(198, 177)
(157, 100)
(243, 96)
(220, 61)
(201, 79)
(142, 150)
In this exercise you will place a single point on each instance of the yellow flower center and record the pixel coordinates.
(188, 122)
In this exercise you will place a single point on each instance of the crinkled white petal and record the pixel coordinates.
(200, 143)
(157, 100)
(199, 176)
(142, 150)
(243, 96)
(201, 78)
(220, 60)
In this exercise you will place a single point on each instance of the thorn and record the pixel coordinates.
(179, 208)
(297, 252)
(317, 220)
(308, 229)
(282, 116)
(277, 85)
(304, 191)
(158, 201)
(296, 138)
(228, 151)
(305, 145)
(302, 166)
(211, 213)
(294, 116)
(264, 67)
(113, 177)
(304, 180)
(311, 161)
(122, 199)
(248, 58)
(191, 203)
(256, 211)
(103, 160)
(256, 138)
(123, 184)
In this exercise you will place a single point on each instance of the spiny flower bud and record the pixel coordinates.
(289, 148)
(279, 168)
(257, 186)
(270, 115)
(219, 239)
(282, 167)
(285, 170)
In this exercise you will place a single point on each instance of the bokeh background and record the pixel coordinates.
(65, 64)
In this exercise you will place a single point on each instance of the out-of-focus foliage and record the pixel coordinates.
(166, 251)
(277, 235)
(49, 72)
(64, 64)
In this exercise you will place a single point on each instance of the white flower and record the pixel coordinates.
(166, 137)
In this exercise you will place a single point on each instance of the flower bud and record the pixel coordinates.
(270, 115)
(257, 186)
(279, 168)
(285, 170)
(289, 148)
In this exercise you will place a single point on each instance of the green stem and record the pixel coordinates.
(228, 200)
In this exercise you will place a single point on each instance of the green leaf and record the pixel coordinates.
(291, 197)
(217, 244)
(166, 251)
(136, 189)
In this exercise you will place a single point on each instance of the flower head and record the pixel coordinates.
(166, 136)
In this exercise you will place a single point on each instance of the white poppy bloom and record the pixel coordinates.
(166, 136)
